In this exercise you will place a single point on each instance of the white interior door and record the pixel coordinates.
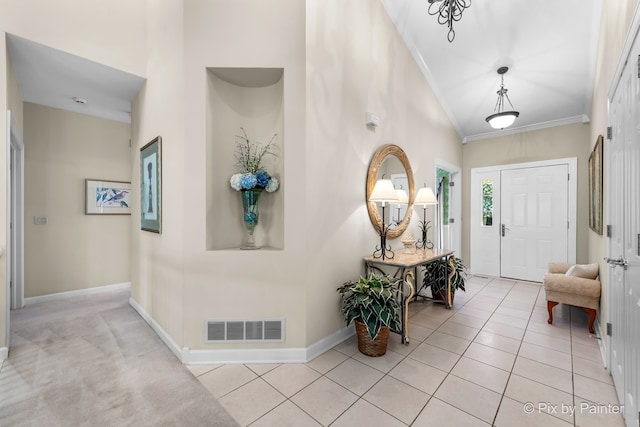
(535, 221)
(624, 243)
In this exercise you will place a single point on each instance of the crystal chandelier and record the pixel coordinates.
(502, 119)
(448, 11)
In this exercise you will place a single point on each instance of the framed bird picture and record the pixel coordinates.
(107, 197)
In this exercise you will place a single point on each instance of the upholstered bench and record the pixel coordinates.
(574, 285)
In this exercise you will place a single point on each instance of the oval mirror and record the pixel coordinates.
(392, 162)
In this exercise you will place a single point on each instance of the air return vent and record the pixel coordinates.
(244, 330)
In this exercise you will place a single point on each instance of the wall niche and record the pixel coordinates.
(251, 98)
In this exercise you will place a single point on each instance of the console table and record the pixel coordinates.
(406, 268)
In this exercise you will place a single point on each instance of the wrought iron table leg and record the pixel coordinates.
(408, 279)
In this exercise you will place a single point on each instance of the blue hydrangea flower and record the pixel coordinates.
(263, 178)
(248, 181)
(272, 185)
(235, 181)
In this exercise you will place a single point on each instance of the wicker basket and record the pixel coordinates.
(369, 347)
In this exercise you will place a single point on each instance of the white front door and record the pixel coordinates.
(535, 224)
(624, 243)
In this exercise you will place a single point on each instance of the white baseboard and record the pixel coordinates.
(164, 336)
(79, 292)
(269, 355)
(4, 353)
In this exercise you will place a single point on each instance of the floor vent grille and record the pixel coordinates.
(244, 330)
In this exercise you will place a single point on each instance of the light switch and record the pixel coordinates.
(40, 220)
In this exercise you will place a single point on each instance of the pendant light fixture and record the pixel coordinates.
(502, 119)
(448, 12)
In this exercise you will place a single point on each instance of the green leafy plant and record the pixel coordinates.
(437, 273)
(371, 300)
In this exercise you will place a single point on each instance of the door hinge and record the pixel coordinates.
(608, 230)
(638, 252)
(638, 65)
(609, 133)
(609, 329)
(568, 225)
(568, 177)
(452, 220)
(452, 184)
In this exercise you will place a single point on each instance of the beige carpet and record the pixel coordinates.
(92, 361)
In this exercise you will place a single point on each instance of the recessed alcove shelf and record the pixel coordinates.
(251, 98)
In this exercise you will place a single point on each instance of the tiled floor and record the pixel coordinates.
(492, 360)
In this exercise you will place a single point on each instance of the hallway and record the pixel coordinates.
(477, 365)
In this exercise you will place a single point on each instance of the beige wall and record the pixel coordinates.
(552, 143)
(73, 251)
(157, 269)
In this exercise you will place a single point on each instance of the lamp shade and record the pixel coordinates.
(403, 199)
(425, 197)
(383, 192)
(502, 120)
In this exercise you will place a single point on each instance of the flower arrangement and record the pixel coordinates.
(249, 157)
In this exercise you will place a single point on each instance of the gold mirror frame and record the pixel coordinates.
(372, 175)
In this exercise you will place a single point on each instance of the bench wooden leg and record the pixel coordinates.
(550, 305)
(592, 318)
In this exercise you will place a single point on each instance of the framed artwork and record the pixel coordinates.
(104, 197)
(595, 187)
(151, 186)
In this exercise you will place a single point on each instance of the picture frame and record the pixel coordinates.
(105, 197)
(151, 186)
(595, 186)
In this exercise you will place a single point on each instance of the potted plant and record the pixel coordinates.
(436, 275)
(370, 302)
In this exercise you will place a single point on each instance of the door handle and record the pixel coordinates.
(618, 261)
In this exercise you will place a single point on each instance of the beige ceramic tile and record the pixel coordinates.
(485, 303)
(514, 413)
(466, 320)
(324, 400)
(365, 414)
(251, 401)
(500, 342)
(508, 331)
(554, 330)
(397, 346)
(286, 415)
(226, 378)
(327, 361)
(547, 341)
(544, 399)
(509, 320)
(435, 356)
(198, 370)
(544, 374)
(475, 312)
(262, 368)
(397, 398)
(471, 398)
(591, 414)
(417, 374)
(513, 312)
(290, 378)
(417, 332)
(546, 355)
(448, 342)
(383, 363)
(355, 376)
(518, 304)
(348, 346)
(479, 373)
(491, 356)
(438, 414)
(590, 352)
(458, 330)
(426, 321)
(590, 369)
(594, 390)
